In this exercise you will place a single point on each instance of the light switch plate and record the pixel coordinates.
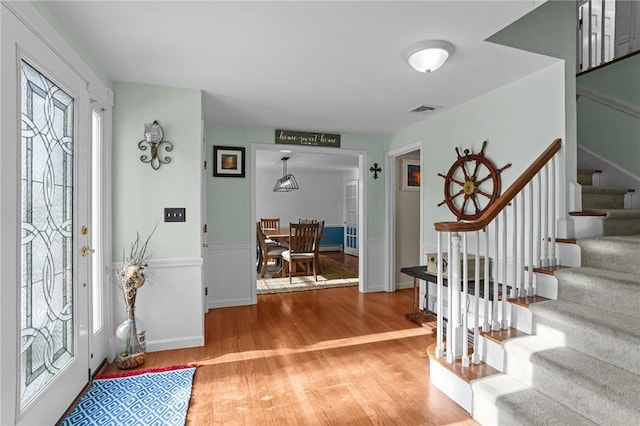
(174, 214)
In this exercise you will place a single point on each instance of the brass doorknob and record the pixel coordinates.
(86, 250)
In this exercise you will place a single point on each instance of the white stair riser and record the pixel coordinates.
(492, 353)
(521, 318)
(547, 286)
(587, 226)
(568, 254)
(450, 384)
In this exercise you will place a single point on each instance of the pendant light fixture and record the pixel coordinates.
(287, 182)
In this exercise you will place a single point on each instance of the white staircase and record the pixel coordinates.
(571, 353)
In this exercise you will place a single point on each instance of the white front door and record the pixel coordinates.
(53, 150)
(351, 218)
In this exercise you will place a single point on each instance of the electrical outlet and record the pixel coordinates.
(174, 214)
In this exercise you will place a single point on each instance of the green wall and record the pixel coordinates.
(551, 30)
(229, 200)
(605, 131)
(518, 121)
(140, 193)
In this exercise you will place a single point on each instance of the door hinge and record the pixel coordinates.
(206, 291)
(205, 164)
(205, 228)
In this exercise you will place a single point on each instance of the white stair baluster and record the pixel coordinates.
(439, 304)
(465, 297)
(486, 326)
(552, 210)
(496, 275)
(505, 291)
(531, 246)
(544, 216)
(454, 266)
(476, 303)
(450, 346)
(521, 263)
(537, 231)
(514, 250)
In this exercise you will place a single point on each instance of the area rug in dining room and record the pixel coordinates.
(282, 285)
(146, 397)
(334, 274)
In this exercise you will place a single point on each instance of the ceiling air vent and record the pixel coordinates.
(424, 109)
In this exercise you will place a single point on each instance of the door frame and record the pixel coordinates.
(390, 188)
(362, 202)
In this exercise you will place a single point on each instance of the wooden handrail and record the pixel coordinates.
(506, 197)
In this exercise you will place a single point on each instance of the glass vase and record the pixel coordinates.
(129, 352)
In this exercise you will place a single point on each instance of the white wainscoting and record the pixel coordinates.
(228, 276)
(374, 263)
(169, 304)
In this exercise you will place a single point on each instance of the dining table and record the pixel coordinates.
(277, 234)
(281, 236)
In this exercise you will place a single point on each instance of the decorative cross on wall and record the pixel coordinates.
(375, 169)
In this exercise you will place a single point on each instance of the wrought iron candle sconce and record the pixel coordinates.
(153, 140)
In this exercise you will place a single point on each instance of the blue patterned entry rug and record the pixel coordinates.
(146, 397)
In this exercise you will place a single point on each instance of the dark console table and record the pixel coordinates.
(418, 273)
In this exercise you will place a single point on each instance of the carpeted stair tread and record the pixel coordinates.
(621, 222)
(602, 197)
(503, 400)
(603, 189)
(615, 253)
(603, 393)
(585, 176)
(518, 404)
(607, 336)
(613, 291)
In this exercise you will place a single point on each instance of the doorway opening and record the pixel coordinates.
(331, 190)
(404, 223)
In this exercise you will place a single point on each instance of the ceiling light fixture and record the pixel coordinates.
(287, 182)
(428, 56)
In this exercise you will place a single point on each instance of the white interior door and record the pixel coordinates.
(351, 218)
(54, 180)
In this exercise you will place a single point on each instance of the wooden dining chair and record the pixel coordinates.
(302, 241)
(268, 251)
(316, 251)
(270, 223)
(316, 248)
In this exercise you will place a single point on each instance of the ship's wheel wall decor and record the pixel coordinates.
(471, 185)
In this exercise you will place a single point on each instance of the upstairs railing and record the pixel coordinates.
(607, 30)
(513, 236)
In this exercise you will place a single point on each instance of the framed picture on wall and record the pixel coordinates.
(228, 161)
(410, 175)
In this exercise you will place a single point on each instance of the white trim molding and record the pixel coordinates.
(614, 103)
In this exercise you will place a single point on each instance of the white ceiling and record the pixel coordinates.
(324, 66)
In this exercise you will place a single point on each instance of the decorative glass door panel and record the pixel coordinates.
(47, 287)
(351, 218)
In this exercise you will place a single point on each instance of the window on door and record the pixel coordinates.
(97, 281)
(47, 334)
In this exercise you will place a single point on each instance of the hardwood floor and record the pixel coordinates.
(339, 256)
(324, 357)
